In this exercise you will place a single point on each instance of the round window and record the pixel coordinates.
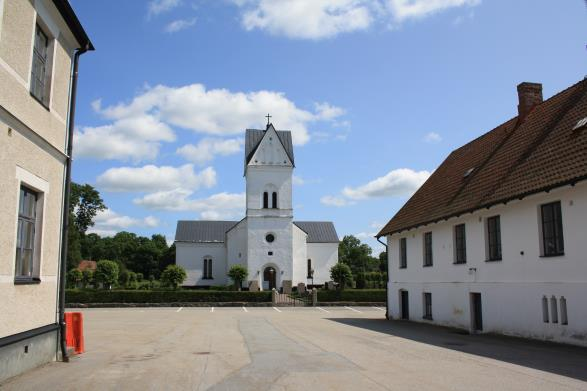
(270, 238)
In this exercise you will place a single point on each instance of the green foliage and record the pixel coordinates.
(84, 204)
(238, 273)
(74, 255)
(352, 295)
(74, 276)
(140, 277)
(123, 278)
(357, 255)
(341, 273)
(132, 280)
(106, 273)
(87, 278)
(371, 280)
(166, 296)
(173, 275)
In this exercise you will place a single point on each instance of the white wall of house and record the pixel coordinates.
(511, 289)
(323, 256)
(300, 250)
(191, 256)
(236, 245)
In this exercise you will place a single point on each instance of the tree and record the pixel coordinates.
(106, 273)
(123, 278)
(87, 278)
(168, 257)
(383, 261)
(74, 255)
(74, 276)
(132, 280)
(85, 203)
(341, 273)
(238, 273)
(357, 255)
(173, 276)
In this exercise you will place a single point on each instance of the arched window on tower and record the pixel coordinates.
(265, 200)
(274, 200)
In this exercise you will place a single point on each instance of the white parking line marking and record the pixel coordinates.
(246, 310)
(352, 309)
(212, 309)
(180, 308)
(276, 309)
(322, 309)
(378, 308)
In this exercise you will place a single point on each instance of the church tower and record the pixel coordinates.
(269, 164)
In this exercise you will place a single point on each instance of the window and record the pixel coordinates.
(427, 305)
(403, 253)
(563, 303)
(553, 309)
(310, 271)
(25, 237)
(493, 239)
(265, 200)
(460, 244)
(428, 249)
(552, 229)
(270, 238)
(274, 200)
(40, 72)
(208, 269)
(544, 309)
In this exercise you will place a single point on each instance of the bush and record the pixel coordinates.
(356, 295)
(106, 273)
(87, 278)
(173, 276)
(238, 273)
(371, 280)
(167, 296)
(74, 276)
(341, 274)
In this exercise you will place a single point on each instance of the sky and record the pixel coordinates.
(376, 93)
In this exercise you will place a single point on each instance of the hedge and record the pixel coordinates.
(140, 296)
(352, 295)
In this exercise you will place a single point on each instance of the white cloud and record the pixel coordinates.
(297, 180)
(335, 201)
(208, 148)
(108, 223)
(156, 7)
(156, 178)
(328, 112)
(180, 24)
(432, 138)
(215, 207)
(320, 19)
(400, 182)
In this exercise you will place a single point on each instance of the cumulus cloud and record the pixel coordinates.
(217, 206)
(297, 180)
(208, 148)
(108, 223)
(152, 178)
(320, 19)
(335, 201)
(432, 138)
(180, 24)
(156, 7)
(400, 182)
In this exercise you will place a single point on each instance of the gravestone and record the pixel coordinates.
(253, 285)
(287, 286)
(301, 288)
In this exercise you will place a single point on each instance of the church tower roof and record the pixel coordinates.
(253, 139)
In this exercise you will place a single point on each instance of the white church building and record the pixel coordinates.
(277, 251)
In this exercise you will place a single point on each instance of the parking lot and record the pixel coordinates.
(326, 348)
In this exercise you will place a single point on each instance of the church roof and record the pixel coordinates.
(318, 231)
(199, 231)
(253, 139)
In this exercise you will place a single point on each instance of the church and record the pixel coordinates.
(277, 251)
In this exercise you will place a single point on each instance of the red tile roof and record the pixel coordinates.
(518, 158)
(83, 265)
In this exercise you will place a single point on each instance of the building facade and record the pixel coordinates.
(494, 241)
(276, 250)
(37, 43)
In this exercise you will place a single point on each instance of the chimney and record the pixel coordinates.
(529, 95)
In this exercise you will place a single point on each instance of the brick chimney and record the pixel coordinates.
(529, 95)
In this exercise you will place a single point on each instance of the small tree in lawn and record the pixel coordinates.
(173, 276)
(87, 277)
(74, 276)
(106, 273)
(341, 274)
(238, 273)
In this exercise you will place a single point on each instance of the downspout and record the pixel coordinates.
(386, 282)
(66, 195)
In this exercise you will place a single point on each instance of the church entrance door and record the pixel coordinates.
(269, 276)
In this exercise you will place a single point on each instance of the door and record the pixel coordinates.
(405, 303)
(269, 276)
(477, 312)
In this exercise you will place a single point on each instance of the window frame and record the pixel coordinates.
(309, 269)
(427, 247)
(403, 253)
(557, 229)
(207, 272)
(265, 200)
(460, 244)
(493, 239)
(41, 62)
(274, 200)
(20, 245)
(427, 305)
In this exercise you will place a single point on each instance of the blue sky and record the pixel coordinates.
(376, 92)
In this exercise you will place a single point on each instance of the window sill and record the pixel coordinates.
(403, 267)
(46, 107)
(208, 278)
(459, 263)
(493, 260)
(427, 317)
(553, 255)
(428, 265)
(26, 281)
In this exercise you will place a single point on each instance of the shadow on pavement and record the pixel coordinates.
(564, 360)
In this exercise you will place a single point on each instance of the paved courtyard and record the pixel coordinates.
(325, 348)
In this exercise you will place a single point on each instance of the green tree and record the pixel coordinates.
(87, 278)
(383, 261)
(132, 280)
(357, 255)
(85, 203)
(341, 274)
(74, 255)
(173, 276)
(238, 273)
(106, 273)
(74, 276)
(168, 257)
(123, 278)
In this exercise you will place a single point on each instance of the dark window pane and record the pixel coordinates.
(403, 263)
(428, 249)
(552, 229)
(25, 237)
(460, 244)
(494, 238)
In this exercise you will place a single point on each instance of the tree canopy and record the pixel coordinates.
(357, 255)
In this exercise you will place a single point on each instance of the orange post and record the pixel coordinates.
(74, 335)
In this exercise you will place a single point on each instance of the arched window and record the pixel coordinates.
(274, 196)
(563, 303)
(553, 310)
(310, 271)
(265, 200)
(208, 269)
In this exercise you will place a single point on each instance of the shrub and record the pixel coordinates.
(164, 296)
(87, 278)
(123, 278)
(132, 280)
(140, 277)
(74, 276)
(106, 273)
(173, 275)
(238, 273)
(356, 295)
(341, 274)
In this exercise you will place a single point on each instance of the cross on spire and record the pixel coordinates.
(268, 118)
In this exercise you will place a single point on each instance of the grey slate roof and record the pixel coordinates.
(253, 138)
(199, 231)
(318, 231)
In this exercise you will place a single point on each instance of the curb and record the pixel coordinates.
(215, 304)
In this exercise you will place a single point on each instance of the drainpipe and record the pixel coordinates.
(66, 195)
(386, 282)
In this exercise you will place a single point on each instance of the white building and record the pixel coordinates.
(276, 250)
(496, 239)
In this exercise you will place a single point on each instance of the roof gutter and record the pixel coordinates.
(386, 282)
(66, 196)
